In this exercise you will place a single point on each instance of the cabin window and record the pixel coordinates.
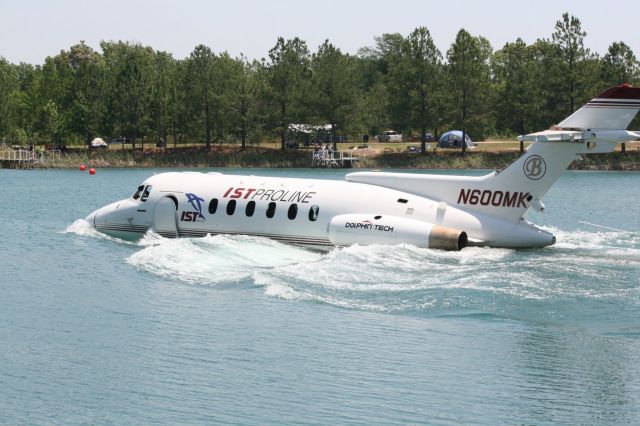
(136, 195)
(403, 200)
(293, 211)
(213, 206)
(231, 207)
(271, 210)
(145, 193)
(251, 207)
(313, 213)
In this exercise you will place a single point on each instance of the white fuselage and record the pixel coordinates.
(301, 211)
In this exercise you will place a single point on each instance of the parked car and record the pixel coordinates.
(418, 138)
(390, 136)
(120, 139)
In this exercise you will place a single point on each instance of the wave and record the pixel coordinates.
(583, 268)
(211, 260)
(84, 229)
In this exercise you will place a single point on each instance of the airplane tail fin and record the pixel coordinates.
(612, 109)
(595, 128)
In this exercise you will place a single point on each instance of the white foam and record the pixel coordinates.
(398, 278)
(83, 228)
(214, 259)
(391, 278)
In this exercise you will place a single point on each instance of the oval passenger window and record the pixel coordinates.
(271, 210)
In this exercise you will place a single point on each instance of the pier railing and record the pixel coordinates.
(333, 158)
(24, 158)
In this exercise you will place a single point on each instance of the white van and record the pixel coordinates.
(390, 136)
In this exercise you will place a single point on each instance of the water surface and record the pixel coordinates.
(236, 329)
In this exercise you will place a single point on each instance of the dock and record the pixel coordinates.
(331, 159)
(24, 158)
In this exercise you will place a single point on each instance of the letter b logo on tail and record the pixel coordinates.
(535, 167)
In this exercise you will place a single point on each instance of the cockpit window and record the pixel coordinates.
(145, 193)
(136, 195)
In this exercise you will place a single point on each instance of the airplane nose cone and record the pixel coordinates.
(91, 219)
(122, 219)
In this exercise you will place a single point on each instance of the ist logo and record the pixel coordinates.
(196, 203)
(534, 167)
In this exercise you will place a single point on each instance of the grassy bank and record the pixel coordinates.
(369, 158)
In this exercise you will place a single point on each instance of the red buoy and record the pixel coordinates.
(92, 171)
(82, 167)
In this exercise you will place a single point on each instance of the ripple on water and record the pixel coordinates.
(583, 269)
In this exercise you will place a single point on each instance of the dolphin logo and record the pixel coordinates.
(196, 203)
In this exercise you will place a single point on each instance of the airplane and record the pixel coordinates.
(430, 211)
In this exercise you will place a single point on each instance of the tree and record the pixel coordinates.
(8, 87)
(201, 75)
(513, 69)
(469, 82)
(244, 87)
(335, 88)
(620, 65)
(54, 126)
(163, 95)
(377, 106)
(419, 69)
(382, 69)
(387, 50)
(24, 103)
(129, 73)
(288, 76)
(87, 107)
(568, 39)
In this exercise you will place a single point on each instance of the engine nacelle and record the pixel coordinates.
(367, 229)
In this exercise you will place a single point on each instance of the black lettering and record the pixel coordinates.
(522, 199)
(496, 200)
(474, 197)
(463, 198)
(297, 195)
(509, 199)
(485, 198)
(307, 197)
(267, 194)
(284, 196)
(275, 195)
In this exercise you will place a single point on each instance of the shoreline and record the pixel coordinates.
(268, 158)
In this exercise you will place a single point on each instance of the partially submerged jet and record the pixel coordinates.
(434, 211)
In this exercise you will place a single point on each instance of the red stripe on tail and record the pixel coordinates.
(624, 91)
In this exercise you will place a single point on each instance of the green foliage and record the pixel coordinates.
(620, 65)
(288, 76)
(513, 72)
(401, 83)
(335, 95)
(420, 78)
(571, 61)
(469, 77)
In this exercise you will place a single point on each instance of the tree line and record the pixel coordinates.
(401, 83)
